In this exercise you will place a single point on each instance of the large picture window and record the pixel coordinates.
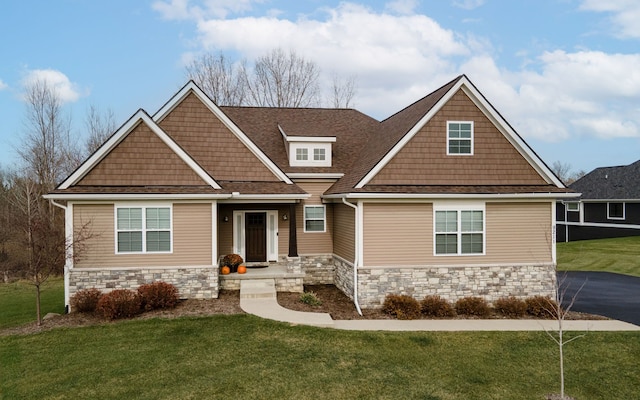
(460, 137)
(459, 232)
(143, 230)
(314, 218)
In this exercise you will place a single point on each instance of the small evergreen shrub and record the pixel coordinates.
(436, 306)
(120, 303)
(85, 301)
(510, 307)
(401, 306)
(474, 306)
(310, 298)
(158, 295)
(541, 307)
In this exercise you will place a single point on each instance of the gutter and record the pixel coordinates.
(356, 261)
(66, 261)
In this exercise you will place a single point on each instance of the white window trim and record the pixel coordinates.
(472, 138)
(309, 162)
(324, 218)
(577, 206)
(624, 210)
(461, 206)
(144, 227)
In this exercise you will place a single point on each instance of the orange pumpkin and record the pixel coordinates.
(225, 270)
(242, 269)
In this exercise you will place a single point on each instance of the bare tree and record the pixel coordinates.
(565, 172)
(99, 126)
(219, 78)
(282, 79)
(47, 149)
(559, 312)
(342, 91)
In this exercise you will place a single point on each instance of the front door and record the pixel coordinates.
(256, 236)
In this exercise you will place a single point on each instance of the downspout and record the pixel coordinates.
(66, 261)
(356, 260)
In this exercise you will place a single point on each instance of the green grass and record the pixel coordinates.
(245, 357)
(18, 301)
(620, 255)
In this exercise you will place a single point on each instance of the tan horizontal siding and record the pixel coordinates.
(142, 158)
(397, 234)
(314, 242)
(344, 218)
(191, 238)
(424, 160)
(519, 232)
(402, 234)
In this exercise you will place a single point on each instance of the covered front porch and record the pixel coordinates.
(287, 274)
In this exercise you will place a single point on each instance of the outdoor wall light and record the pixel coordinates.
(225, 219)
(284, 217)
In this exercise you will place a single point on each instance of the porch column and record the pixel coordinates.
(293, 238)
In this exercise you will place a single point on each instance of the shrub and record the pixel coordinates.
(158, 295)
(310, 298)
(475, 306)
(436, 306)
(86, 300)
(401, 306)
(120, 303)
(541, 307)
(510, 307)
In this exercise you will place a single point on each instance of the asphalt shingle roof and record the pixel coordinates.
(619, 183)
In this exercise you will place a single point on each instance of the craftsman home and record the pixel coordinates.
(609, 205)
(443, 197)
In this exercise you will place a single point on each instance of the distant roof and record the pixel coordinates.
(613, 183)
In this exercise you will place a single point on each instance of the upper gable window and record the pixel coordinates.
(319, 154)
(302, 154)
(460, 138)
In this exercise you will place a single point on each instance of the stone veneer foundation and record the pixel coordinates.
(192, 282)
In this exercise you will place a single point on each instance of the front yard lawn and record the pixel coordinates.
(619, 255)
(18, 301)
(245, 357)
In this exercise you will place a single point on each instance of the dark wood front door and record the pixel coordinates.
(255, 225)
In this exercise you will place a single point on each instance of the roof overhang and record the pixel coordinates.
(457, 196)
(226, 197)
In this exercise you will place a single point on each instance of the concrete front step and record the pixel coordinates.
(258, 289)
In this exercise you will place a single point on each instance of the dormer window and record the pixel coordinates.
(308, 151)
(460, 138)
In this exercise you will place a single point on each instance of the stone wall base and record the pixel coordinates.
(192, 282)
(453, 283)
(318, 269)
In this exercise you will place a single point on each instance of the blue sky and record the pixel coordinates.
(564, 73)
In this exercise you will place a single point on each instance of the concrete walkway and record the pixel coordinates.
(258, 297)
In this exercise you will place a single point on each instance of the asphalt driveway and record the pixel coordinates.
(612, 295)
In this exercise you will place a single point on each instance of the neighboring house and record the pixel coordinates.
(609, 205)
(443, 197)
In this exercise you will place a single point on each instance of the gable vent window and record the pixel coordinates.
(460, 138)
(302, 154)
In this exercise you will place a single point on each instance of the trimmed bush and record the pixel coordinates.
(510, 307)
(158, 295)
(437, 307)
(474, 306)
(85, 301)
(310, 298)
(401, 306)
(120, 303)
(541, 307)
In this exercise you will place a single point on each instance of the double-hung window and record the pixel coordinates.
(143, 229)
(459, 231)
(314, 218)
(615, 210)
(459, 137)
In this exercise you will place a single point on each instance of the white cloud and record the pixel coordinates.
(3, 85)
(403, 7)
(625, 15)
(66, 90)
(182, 10)
(468, 4)
(399, 58)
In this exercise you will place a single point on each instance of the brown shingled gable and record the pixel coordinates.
(141, 158)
